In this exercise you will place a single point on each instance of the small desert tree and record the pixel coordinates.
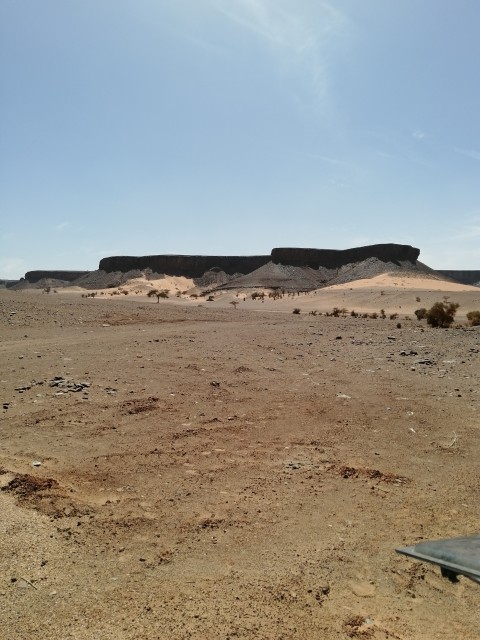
(234, 303)
(441, 314)
(159, 293)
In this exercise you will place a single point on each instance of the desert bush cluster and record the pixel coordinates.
(440, 314)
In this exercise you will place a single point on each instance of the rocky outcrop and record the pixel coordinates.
(465, 277)
(7, 284)
(188, 266)
(334, 259)
(67, 276)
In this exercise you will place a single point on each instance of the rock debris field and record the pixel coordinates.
(172, 471)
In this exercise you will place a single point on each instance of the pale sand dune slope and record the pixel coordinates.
(172, 283)
(407, 281)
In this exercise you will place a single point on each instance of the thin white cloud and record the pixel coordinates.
(327, 159)
(103, 253)
(12, 268)
(471, 231)
(333, 183)
(418, 134)
(470, 153)
(297, 34)
(209, 47)
(451, 258)
(61, 226)
(384, 154)
(334, 162)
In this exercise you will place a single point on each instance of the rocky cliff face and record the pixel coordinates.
(466, 277)
(189, 266)
(67, 276)
(196, 266)
(334, 259)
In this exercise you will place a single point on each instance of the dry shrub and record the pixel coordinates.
(473, 318)
(442, 314)
(421, 313)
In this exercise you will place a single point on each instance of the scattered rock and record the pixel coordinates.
(294, 465)
(68, 385)
(23, 388)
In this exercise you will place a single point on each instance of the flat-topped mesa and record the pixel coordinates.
(335, 258)
(466, 276)
(66, 276)
(179, 265)
(196, 266)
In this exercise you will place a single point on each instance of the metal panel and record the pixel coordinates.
(455, 556)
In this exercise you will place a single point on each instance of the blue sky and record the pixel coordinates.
(132, 127)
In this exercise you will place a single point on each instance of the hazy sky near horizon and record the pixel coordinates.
(133, 127)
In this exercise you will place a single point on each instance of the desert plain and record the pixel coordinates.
(194, 469)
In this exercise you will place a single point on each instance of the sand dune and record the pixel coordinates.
(172, 283)
(410, 281)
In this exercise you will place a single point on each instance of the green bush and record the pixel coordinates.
(442, 314)
(473, 318)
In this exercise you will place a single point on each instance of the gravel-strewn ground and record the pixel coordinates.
(220, 473)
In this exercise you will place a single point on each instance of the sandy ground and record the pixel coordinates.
(210, 472)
